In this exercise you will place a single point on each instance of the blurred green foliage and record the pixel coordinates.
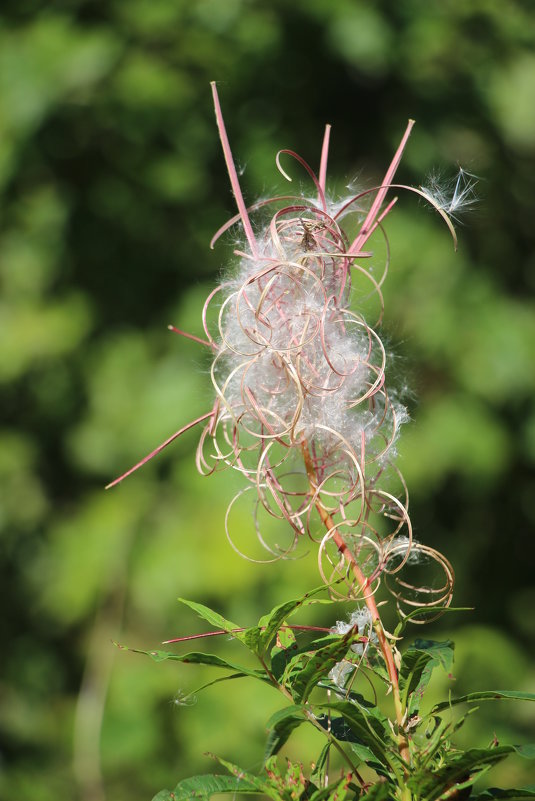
(112, 183)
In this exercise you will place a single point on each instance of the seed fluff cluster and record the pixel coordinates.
(302, 409)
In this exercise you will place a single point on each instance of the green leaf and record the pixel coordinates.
(280, 726)
(430, 786)
(364, 754)
(214, 618)
(292, 785)
(336, 790)
(220, 679)
(381, 791)
(492, 793)
(421, 610)
(286, 661)
(257, 638)
(434, 739)
(286, 644)
(251, 639)
(367, 707)
(199, 658)
(318, 774)
(526, 751)
(270, 624)
(417, 666)
(489, 695)
(265, 786)
(204, 787)
(342, 732)
(367, 724)
(302, 680)
(285, 639)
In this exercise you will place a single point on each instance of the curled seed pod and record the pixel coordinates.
(303, 409)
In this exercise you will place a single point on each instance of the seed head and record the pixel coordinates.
(299, 369)
(303, 409)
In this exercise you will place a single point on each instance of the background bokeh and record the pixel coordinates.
(112, 183)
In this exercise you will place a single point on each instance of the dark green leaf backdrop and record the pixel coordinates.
(112, 183)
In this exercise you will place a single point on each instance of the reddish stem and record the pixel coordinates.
(368, 597)
(233, 631)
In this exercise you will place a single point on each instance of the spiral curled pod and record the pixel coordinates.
(303, 409)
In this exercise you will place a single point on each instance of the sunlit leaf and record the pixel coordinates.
(199, 658)
(269, 624)
(286, 662)
(417, 665)
(214, 618)
(302, 681)
(488, 695)
(204, 787)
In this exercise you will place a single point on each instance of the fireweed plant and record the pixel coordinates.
(303, 411)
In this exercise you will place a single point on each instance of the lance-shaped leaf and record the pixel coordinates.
(257, 638)
(199, 658)
(204, 787)
(269, 624)
(287, 661)
(302, 676)
(214, 618)
(280, 726)
(192, 695)
(342, 732)
(368, 725)
(321, 766)
(421, 611)
(417, 665)
(462, 769)
(364, 754)
(488, 695)
(494, 793)
(266, 786)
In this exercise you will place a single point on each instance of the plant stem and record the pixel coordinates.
(369, 599)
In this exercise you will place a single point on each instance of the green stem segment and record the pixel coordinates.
(369, 599)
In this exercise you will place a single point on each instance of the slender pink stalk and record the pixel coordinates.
(157, 450)
(233, 175)
(237, 631)
(324, 156)
(366, 228)
(176, 330)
